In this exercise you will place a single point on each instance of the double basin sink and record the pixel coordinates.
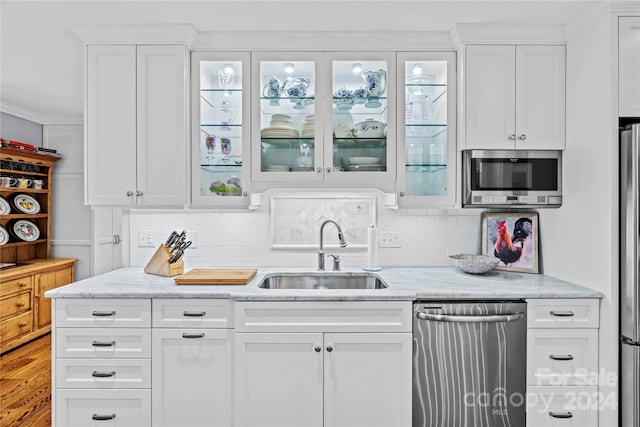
(327, 280)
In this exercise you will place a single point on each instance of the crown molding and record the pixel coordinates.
(463, 34)
(137, 34)
(38, 117)
(323, 41)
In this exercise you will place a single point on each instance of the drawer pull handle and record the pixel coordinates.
(103, 344)
(97, 374)
(194, 313)
(103, 313)
(22, 284)
(22, 324)
(561, 414)
(560, 357)
(20, 304)
(201, 335)
(97, 417)
(561, 313)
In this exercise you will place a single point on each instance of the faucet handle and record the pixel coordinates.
(336, 261)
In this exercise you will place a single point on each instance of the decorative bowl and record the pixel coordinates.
(370, 129)
(474, 264)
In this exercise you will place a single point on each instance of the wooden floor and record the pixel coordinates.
(25, 385)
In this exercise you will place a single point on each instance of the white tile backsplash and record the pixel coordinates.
(237, 239)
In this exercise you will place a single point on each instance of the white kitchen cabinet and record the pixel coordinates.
(323, 363)
(562, 362)
(426, 117)
(136, 125)
(323, 117)
(629, 66)
(192, 362)
(122, 408)
(301, 379)
(191, 377)
(220, 154)
(514, 97)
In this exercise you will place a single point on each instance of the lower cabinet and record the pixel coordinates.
(319, 378)
(562, 362)
(191, 377)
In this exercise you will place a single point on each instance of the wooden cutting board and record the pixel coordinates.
(216, 276)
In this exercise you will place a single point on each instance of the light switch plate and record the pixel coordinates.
(146, 238)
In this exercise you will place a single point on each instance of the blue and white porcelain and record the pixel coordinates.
(273, 89)
(375, 82)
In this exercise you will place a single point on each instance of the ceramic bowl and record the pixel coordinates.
(474, 264)
(369, 129)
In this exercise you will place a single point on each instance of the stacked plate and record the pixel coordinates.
(5, 207)
(4, 236)
(281, 126)
(308, 126)
(25, 230)
(26, 204)
(371, 164)
(276, 168)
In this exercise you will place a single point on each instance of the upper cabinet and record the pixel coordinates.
(629, 66)
(220, 133)
(323, 117)
(426, 119)
(514, 97)
(136, 125)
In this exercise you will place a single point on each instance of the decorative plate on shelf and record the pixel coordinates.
(26, 204)
(26, 230)
(5, 207)
(4, 236)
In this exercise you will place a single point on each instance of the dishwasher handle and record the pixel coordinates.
(492, 318)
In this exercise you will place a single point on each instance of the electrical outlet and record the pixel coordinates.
(390, 240)
(146, 238)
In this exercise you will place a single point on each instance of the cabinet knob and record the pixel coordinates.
(329, 170)
(318, 349)
(22, 284)
(402, 193)
(522, 137)
(329, 348)
(319, 169)
(20, 304)
(22, 324)
(245, 194)
(129, 193)
(512, 137)
(138, 193)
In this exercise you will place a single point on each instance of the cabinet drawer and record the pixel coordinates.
(562, 406)
(103, 374)
(192, 313)
(323, 316)
(122, 408)
(15, 304)
(558, 313)
(16, 285)
(562, 357)
(103, 313)
(16, 326)
(103, 343)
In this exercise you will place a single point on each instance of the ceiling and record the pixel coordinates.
(41, 59)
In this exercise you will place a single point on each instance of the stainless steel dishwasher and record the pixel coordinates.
(469, 363)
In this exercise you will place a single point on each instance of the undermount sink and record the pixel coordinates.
(322, 281)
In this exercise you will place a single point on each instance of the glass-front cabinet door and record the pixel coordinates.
(426, 129)
(220, 132)
(359, 129)
(287, 130)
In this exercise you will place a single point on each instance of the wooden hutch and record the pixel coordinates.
(26, 270)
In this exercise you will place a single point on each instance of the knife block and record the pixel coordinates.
(160, 266)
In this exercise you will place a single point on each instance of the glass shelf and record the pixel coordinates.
(360, 142)
(421, 131)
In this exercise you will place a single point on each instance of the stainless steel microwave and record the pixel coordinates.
(497, 178)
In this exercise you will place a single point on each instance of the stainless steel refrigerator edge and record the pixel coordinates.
(629, 270)
(469, 363)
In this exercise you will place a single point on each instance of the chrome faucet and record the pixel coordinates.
(343, 243)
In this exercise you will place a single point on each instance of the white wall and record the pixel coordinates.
(580, 240)
(21, 130)
(242, 238)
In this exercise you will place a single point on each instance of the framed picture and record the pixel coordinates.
(513, 239)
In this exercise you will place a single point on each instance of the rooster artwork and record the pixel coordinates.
(512, 239)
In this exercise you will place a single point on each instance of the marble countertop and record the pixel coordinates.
(404, 283)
